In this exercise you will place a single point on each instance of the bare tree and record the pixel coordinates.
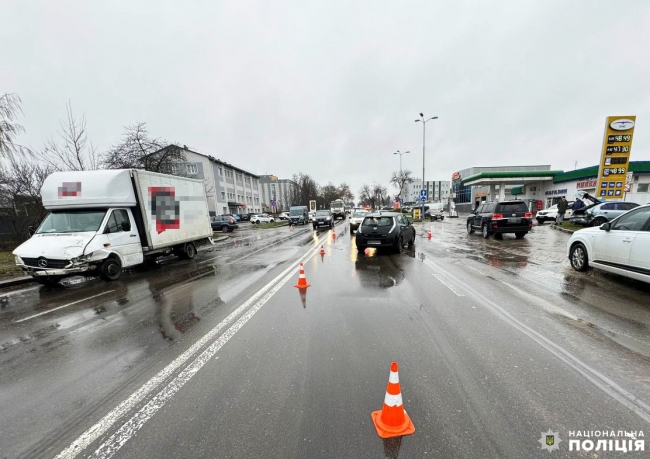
(21, 181)
(71, 151)
(138, 150)
(400, 179)
(328, 193)
(305, 190)
(381, 195)
(344, 192)
(9, 129)
(366, 196)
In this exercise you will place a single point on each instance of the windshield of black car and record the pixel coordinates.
(511, 207)
(377, 221)
(72, 221)
(322, 213)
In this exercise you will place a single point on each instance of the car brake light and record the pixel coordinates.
(497, 216)
(528, 215)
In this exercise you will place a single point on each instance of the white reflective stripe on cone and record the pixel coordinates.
(393, 378)
(393, 400)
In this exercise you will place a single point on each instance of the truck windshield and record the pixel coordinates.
(296, 212)
(72, 221)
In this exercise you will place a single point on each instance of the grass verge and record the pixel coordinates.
(8, 268)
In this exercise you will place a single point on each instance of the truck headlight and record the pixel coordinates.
(82, 258)
(19, 261)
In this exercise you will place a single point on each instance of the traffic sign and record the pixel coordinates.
(273, 203)
(423, 199)
(423, 194)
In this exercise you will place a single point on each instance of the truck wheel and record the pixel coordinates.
(110, 269)
(189, 252)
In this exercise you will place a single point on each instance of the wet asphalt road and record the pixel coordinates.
(497, 342)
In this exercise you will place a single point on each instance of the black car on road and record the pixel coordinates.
(224, 223)
(501, 217)
(385, 230)
(323, 218)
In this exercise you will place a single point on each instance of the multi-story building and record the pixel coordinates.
(437, 190)
(230, 190)
(276, 194)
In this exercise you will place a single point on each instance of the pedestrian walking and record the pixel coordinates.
(561, 210)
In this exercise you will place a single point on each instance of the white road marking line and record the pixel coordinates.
(101, 427)
(130, 428)
(448, 285)
(64, 306)
(627, 399)
(474, 269)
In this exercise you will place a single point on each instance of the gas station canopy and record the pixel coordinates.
(518, 177)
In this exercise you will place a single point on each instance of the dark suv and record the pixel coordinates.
(223, 223)
(385, 229)
(501, 217)
(323, 218)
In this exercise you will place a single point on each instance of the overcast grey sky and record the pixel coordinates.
(332, 87)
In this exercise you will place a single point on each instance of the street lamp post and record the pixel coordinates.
(400, 153)
(424, 133)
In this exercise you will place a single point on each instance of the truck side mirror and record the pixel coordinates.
(126, 226)
(31, 230)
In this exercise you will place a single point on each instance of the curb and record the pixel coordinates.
(564, 230)
(16, 281)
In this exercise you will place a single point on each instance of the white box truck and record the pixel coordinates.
(103, 221)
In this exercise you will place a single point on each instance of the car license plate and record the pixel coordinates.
(514, 220)
(374, 242)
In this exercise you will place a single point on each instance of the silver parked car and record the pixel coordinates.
(601, 213)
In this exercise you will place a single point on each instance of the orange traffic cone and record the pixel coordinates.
(429, 235)
(302, 280)
(322, 250)
(392, 420)
(333, 233)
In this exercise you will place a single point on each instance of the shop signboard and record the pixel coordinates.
(615, 157)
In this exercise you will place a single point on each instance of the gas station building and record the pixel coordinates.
(538, 185)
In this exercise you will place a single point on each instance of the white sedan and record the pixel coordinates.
(550, 214)
(620, 246)
(262, 218)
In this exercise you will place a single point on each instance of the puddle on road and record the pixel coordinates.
(378, 271)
